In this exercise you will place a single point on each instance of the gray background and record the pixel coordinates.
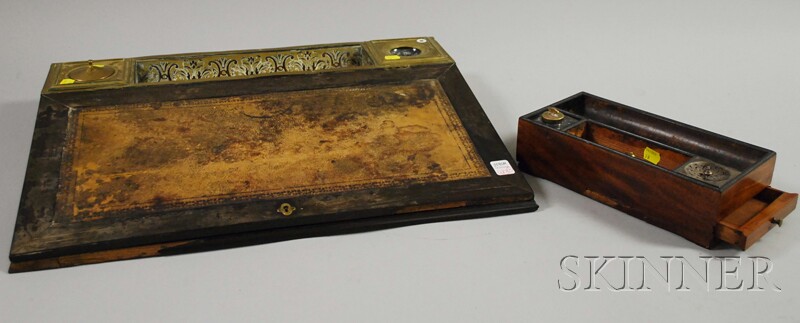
(732, 67)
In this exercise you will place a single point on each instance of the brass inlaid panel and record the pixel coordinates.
(208, 151)
(244, 64)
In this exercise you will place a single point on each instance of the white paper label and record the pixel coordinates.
(502, 167)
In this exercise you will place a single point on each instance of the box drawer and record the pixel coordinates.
(754, 218)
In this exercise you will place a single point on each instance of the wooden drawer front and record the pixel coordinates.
(754, 218)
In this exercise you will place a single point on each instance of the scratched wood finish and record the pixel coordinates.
(601, 158)
(456, 181)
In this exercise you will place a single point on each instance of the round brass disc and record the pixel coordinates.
(552, 115)
(91, 72)
(707, 171)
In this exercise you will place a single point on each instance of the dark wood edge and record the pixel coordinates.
(275, 235)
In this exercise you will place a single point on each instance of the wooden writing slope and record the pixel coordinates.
(172, 154)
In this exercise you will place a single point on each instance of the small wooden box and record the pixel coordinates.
(695, 183)
(163, 155)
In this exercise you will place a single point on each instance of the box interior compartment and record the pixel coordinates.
(629, 130)
(725, 151)
(628, 144)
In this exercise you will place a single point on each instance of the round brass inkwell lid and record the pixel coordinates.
(91, 72)
(552, 115)
(707, 171)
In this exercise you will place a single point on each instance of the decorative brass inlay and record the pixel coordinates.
(286, 209)
(244, 64)
(217, 66)
(406, 51)
(169, 155)
(707, 171)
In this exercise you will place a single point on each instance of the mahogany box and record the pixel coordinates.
(700, 185)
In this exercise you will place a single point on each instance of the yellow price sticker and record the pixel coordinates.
(391, 57)
(66, 81)
(651, 155)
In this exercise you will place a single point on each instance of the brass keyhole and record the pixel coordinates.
(286, 209)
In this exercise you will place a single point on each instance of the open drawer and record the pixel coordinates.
(754, 218)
